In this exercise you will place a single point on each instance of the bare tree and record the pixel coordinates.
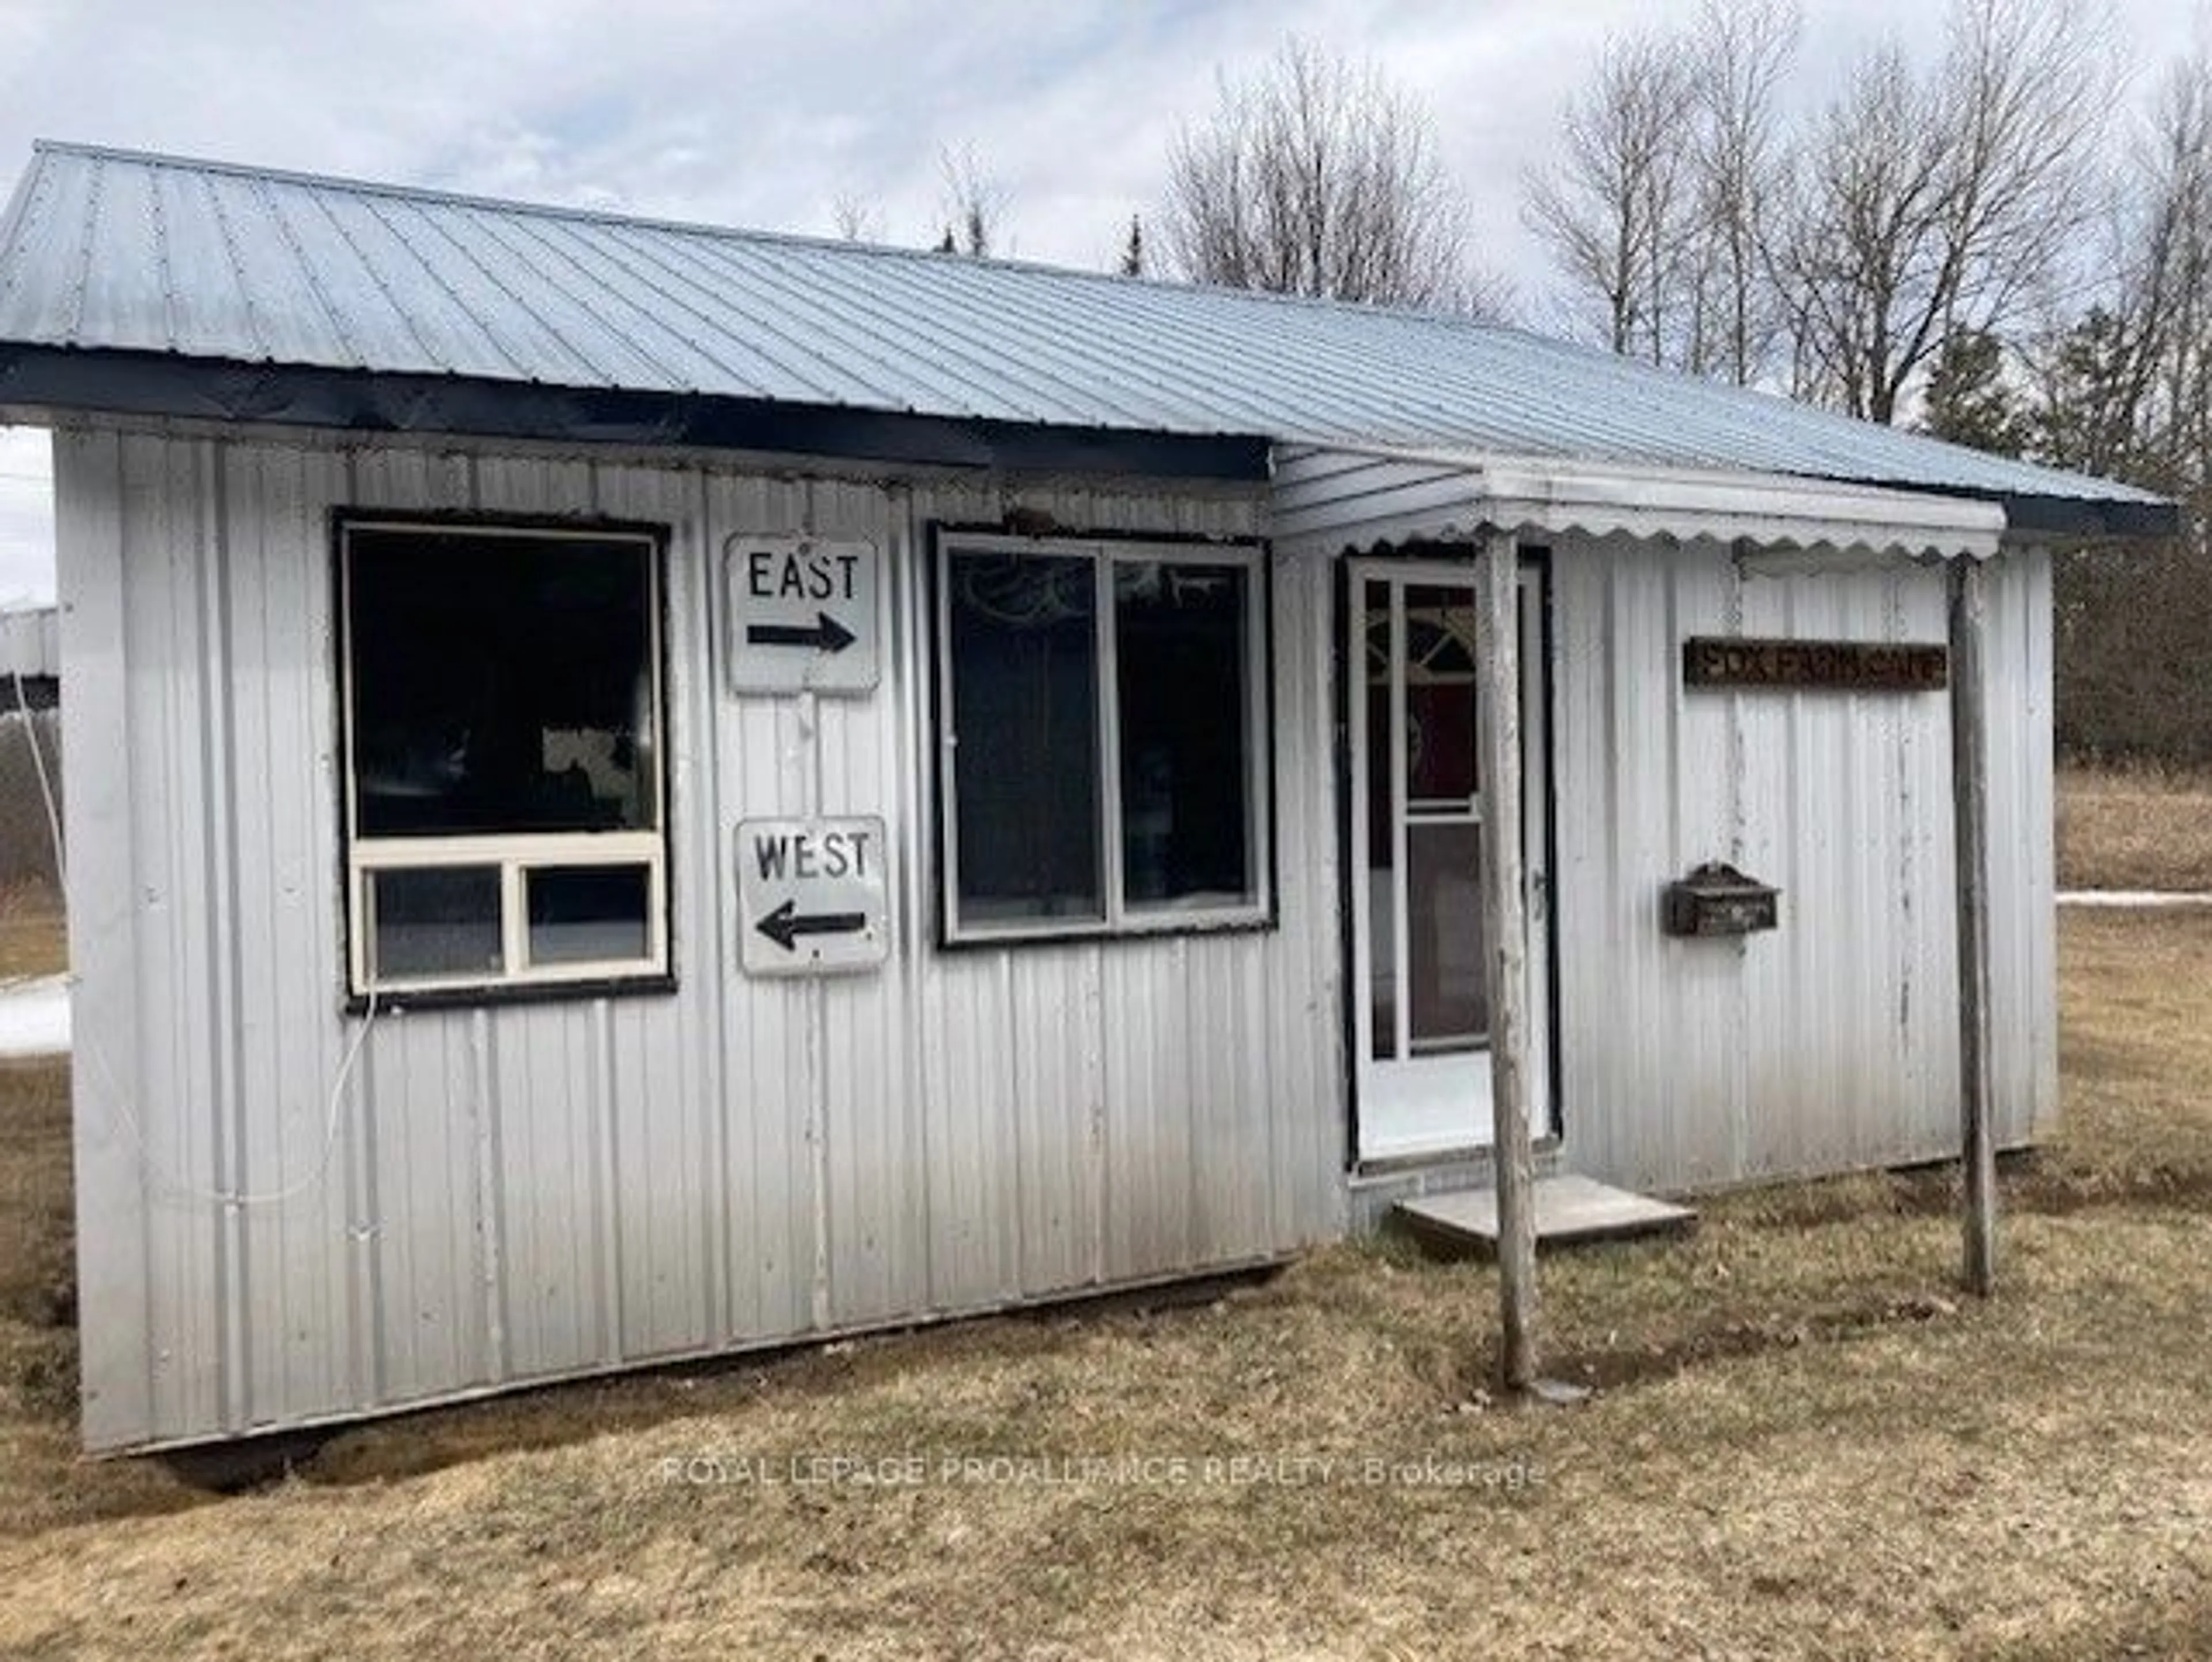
(1657, 210)
(1923, 205)
(1738, 53)
(1614, 209)
(1317, 177)
(1481, 294)
(2124, 388)
(1859, 256)
(2173, 287)
(973, 201)
(2104, 376)
(856, 218)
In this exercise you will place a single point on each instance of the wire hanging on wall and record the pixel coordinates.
(164, 1181)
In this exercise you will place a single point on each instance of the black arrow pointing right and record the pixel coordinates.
(824, 635)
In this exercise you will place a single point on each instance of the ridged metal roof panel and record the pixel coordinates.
(113, 251)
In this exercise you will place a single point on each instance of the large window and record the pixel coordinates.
(503, 739)
(1104, 722)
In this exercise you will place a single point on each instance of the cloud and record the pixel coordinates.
(767, 112)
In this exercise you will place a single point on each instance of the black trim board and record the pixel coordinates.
(1339, 734)
(153, 384)
(104, 381)
(2070, 518)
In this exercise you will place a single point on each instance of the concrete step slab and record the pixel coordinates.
(1570, 1208)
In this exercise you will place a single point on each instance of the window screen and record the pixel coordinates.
(1103, 737)
(1183, 683)
(1025, 704)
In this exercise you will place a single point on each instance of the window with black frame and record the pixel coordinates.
(1104, 716)
(505, 825)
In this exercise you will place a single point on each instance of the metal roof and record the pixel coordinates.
(159, 265)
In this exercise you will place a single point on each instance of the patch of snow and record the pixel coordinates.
(34, 1017)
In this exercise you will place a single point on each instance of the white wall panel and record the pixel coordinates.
(2023, 936)
(165, 519)
(1830, 1042)
(112, 1147)
(521, 1192)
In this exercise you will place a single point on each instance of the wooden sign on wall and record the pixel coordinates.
(1855, 667)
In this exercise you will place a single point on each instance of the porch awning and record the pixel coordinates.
(1364, 498)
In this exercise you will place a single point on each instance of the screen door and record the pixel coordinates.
(1421, 960)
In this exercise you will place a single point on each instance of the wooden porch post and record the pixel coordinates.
(1969, 597)
(1497, 708)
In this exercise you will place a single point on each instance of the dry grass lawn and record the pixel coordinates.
(1803, 1443)
(34, 938)
(2133, 828)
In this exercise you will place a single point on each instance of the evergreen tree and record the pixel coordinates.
(1969, 401)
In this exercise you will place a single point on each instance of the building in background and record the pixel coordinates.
(30, 745)
(30, 659)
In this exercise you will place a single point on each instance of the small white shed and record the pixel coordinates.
(636, 789)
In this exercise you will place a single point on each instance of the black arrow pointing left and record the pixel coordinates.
(786, 923)
(824, 635)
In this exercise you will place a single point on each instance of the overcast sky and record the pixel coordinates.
(765, 112)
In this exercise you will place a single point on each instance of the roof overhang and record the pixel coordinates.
(1365, 497)
(49, 385)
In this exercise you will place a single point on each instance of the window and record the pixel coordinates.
(1105, 714)
(505, 820)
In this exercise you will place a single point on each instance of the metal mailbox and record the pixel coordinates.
(1719, 900)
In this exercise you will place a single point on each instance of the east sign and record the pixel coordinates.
(802, 613)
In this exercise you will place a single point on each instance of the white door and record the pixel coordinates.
(1421, 1004)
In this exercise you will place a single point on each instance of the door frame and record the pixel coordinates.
(1449, 560)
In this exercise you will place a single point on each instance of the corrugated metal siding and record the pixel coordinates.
(116, 251)
(2023, 844)
(1832, 1042)
(506, 1194)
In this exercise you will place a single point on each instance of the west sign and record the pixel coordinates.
(810, 896)
(802, 613)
